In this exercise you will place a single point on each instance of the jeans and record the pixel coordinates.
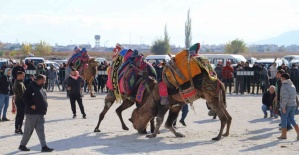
(185, 111)
(51, 84)
(4, 102)
(265, 108)
(57, 82)
(288, 116)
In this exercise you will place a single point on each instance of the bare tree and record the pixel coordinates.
(188, 36)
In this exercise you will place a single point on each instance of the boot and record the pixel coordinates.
(297, 131)
(283, 134)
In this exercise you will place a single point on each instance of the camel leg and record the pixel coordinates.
(152, 123)
(125, 105)
(172, 116)
(229, 121)
(90, 87)
(223, 119)
(215, 116)
(160, 117)
(108, 104)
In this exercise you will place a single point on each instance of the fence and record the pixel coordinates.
(241, 81)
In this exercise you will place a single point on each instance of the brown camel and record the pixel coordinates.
(212, 91)
(89, 73)
(126, 103)
(129, 100)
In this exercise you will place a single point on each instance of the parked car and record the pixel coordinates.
(49, 63)
(158, 59)
(100, 59)
(251, 60)
(233, 58)
(291, 57)
(293, 62)
(3, 61)
(36, 60)
(268, 62)
(61, 61)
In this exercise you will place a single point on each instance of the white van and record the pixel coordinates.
(157, 58)
(36, 60)
(268, 62)
(222, 58)
(291, 57)
(3, 61)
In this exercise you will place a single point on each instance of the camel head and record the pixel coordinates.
(137, 120)
(93, 63)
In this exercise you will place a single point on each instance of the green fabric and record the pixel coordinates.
(195, 48)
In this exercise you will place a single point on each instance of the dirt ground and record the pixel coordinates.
(250, 132)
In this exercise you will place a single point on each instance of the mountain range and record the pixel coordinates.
(287, 38)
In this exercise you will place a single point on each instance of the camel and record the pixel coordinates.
(126, 103)
(214, 95)
(89, 73)
(144, 74)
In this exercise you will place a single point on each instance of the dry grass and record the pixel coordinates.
(108, 55)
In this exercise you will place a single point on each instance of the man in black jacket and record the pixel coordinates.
(15, 70)
(19, 89)
(35, 99)
(74, 85)
(268, 98)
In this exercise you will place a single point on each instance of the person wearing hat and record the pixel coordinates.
(15, 70)
(227, 75)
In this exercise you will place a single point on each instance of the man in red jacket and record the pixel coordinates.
(227, 75)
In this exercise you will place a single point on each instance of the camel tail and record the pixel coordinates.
(223, 93)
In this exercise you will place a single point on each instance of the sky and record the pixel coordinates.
(65, 22)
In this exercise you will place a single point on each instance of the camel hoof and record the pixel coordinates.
(154, 131)
(225, 135)
(92, 96)
(179, 134)
(142, 132)
(216, 138)
(97, 130)
(125, 128)
(151, 136)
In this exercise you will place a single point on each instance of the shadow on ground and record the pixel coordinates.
(120, 144)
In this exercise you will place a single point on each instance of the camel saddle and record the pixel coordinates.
(132, 77)
(176, 70)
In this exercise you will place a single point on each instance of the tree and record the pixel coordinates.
(161, 46)
(26, 48)
(235, 47)
(188, 36)
(42, 48)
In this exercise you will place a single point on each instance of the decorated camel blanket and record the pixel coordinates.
(180, 73)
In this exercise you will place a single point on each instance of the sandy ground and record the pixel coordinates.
(250, 132)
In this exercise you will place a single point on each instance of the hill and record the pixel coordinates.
(287, 38)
